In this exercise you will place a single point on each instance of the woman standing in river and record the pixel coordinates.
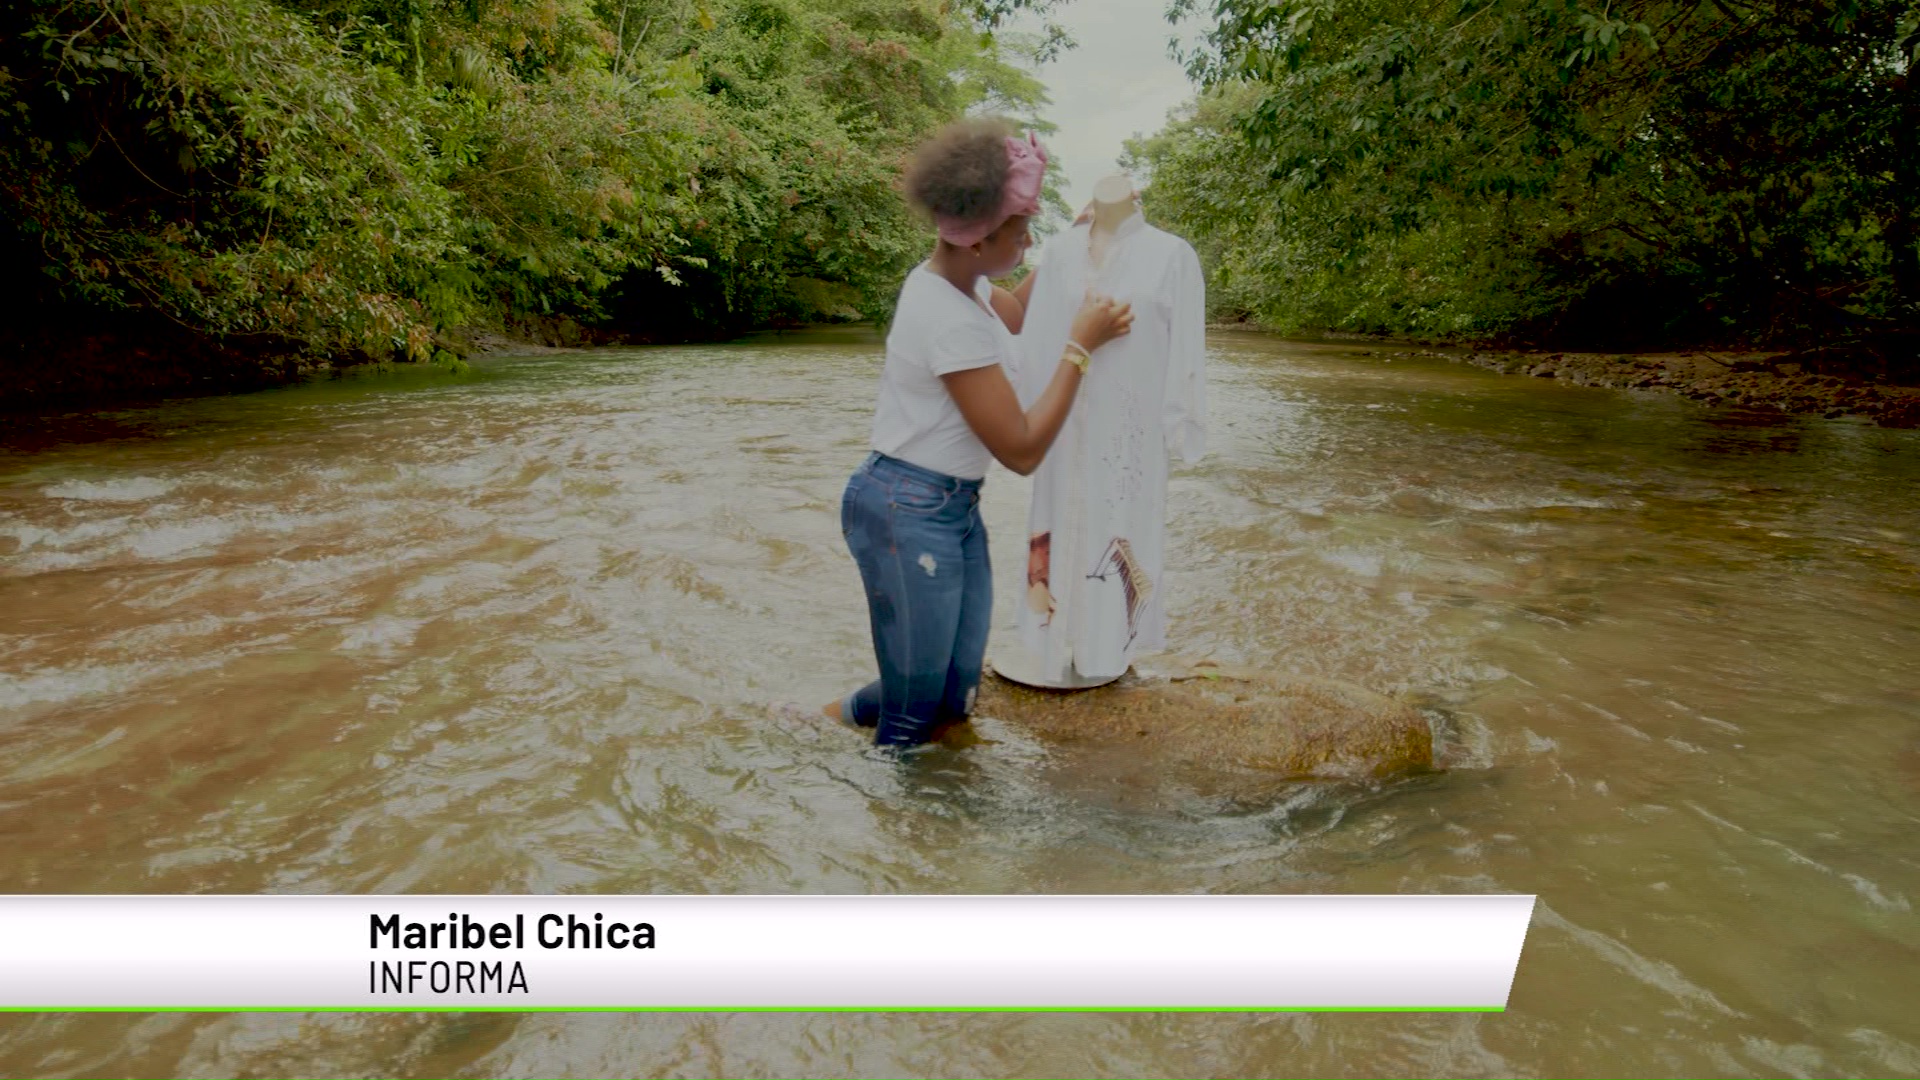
(911, 513)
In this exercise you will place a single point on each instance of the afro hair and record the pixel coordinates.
(962, 171)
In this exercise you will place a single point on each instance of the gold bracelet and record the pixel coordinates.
(1080, 361)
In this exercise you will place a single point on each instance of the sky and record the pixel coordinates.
(1118, 83)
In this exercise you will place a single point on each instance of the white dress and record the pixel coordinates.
(1097, 528)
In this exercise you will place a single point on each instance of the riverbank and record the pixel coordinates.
(1787, 382)
(1754, 380)
(116, 364)
(128, 358)
(97, 358)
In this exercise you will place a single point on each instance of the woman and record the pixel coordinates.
(911, 513)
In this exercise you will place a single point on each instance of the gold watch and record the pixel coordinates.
(1076, 354)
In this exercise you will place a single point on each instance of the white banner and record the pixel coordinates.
(408, 953)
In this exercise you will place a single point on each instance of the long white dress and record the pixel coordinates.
(1096, 530)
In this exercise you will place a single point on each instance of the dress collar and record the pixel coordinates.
(1134, 223)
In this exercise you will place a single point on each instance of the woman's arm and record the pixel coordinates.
(1019, 440)
(1025, 289)
(1011, 305)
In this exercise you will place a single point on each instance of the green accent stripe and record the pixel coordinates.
(753, 1009)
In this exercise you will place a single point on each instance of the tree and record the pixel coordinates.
(1638, 171)
(350, 178)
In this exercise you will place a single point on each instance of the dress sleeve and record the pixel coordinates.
(1049, 318)
(1185, 415)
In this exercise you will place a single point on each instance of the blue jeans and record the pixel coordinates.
(922, 550)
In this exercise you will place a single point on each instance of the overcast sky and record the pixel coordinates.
(1119, 82)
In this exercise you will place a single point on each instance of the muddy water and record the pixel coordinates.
(517, 632)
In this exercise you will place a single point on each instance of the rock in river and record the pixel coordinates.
(1214, 719)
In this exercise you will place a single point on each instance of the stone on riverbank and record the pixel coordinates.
(1243, 721)
(1752, 380)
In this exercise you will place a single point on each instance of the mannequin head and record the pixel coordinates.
(1116, 188)
(1113, 201)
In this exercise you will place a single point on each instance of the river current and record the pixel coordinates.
(518, 630)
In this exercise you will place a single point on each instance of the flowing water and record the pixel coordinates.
(517, 631)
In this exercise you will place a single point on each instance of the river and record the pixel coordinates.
(517, 631)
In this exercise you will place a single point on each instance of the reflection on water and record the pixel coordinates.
(516, 632)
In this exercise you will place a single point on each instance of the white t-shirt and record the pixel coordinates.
(936, 331)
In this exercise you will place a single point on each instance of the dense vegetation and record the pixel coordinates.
(207, 186)
(1633, 172)
(355, 178)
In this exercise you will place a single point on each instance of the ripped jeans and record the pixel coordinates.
(922, 550)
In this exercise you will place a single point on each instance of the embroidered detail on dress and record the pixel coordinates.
(1119, 559)
(1039, 568)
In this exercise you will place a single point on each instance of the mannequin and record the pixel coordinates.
(1097, 522)
(1112, 205)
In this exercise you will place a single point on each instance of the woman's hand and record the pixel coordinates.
(1100, 320)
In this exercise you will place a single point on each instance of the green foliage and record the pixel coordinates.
(229, 166)
(1639, 171)
(808, 112)
(351, 176)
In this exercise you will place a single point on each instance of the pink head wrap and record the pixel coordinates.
(1026, 165)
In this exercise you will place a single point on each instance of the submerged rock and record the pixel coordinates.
(1215, 720)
